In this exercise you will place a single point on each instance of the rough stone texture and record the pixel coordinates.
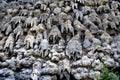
(58, 39)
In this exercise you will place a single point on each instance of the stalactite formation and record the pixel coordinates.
(58, 39)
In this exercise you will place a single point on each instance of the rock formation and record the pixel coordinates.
(58, 39)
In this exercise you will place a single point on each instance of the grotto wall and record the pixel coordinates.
(58, 39)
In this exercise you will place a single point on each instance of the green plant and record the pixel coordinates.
(107, 74)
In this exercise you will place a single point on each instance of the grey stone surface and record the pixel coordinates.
(58, 39)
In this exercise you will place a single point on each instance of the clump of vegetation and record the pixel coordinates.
(109, 74)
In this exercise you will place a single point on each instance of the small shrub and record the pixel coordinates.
(107, 74)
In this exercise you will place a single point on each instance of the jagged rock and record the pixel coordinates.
(44, 47)
(97, 64)
(79, 26)
(7, 74)
(9, 42)
(36, 70)
(29, 41)
(94, 74)
(85, 61)
(80, 73)
(47, 77)
(54, 33)
(109, 62)
(73, 47)
(58, 39)
(57, 10)
(64, 65)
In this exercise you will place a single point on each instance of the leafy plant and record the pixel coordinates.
(107, 74)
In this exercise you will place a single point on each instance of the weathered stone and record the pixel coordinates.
(58, 39)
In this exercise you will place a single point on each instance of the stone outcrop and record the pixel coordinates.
(58, 39)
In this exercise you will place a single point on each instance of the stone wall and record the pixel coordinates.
(58, 39)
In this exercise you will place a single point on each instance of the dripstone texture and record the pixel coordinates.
(58, 39)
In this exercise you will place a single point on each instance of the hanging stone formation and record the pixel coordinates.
(58, 39)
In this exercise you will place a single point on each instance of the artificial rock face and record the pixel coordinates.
(58, 39)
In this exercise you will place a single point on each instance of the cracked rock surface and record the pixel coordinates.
(58, 39)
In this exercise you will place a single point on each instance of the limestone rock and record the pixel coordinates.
(58, 39)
